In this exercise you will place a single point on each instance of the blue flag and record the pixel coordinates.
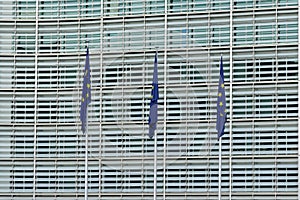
(86, 92)
(153, 103)
(221, 103)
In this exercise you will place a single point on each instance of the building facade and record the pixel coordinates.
(42, 52)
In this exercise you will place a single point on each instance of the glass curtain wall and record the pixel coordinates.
(42, 52)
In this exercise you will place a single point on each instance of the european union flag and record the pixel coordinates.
(221, 104)
(153, 103)
(86, 92)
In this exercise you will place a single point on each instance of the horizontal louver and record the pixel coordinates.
(42, 52)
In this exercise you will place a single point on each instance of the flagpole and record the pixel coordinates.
(86, 153)
(153, 122)
(220, 168)
(155, 167)
(221, 120)
(155, 156)
(86, 161)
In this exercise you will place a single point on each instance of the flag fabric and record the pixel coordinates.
(221, 103)
(86, 92)
(153, 103)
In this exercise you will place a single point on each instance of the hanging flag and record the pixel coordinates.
(221, 104)
(86, 92)
(153, 103)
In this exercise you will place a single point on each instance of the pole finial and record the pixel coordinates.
(87, 43)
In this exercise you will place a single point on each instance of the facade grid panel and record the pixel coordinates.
(42, 48)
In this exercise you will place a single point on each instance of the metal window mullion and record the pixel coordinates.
(100, 95)
(165, 96)
(143, 167)
(35, 97)
(298, 101)
(230, 97)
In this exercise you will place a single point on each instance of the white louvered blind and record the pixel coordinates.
(42, 147)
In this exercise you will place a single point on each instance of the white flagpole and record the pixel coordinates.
(155, 167)
(86, 160)
(86, 151)
(155, 153)
(220, 168)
